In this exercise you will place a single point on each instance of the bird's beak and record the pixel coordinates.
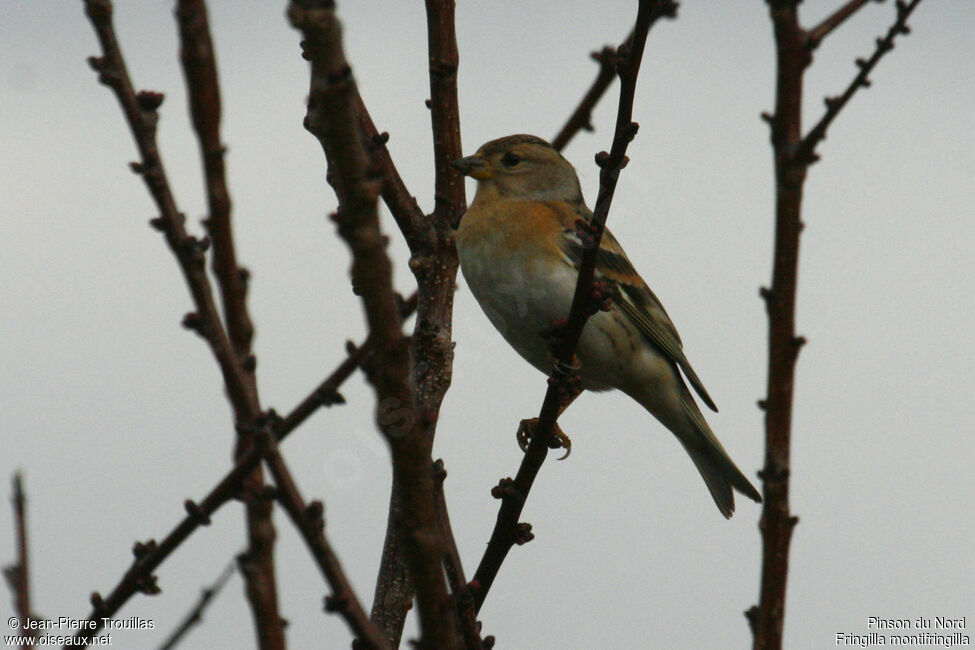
(473, 166)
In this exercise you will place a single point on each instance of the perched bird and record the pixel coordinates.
(520, 251)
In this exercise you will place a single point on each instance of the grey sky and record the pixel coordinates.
(116, 414)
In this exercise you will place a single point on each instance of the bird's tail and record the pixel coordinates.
(677, 410)
(717, 469)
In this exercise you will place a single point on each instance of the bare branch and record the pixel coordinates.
(434, 263)
(416, 228)
(140, 111)
(200, 70)
(195, 615)
(309, 521)
(816, 35)
(792, 155)
(807, 148)
(18, 575)
(333, 118)
(151, 555)
(581, 118)
(777, 521)
(507, 530)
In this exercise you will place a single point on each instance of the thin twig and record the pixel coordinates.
(18, 575)
(507, 530)
(834, 105)
(792, 155)
(777, 521)
(581, 118)
(816, 35)
(150, 554)
(195, 615)
(434, 264)
(413, 224)
(333, 118)
(460, 589)
(308, 519)
(140, 111)
(200, 70)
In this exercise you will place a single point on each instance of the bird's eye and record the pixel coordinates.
(510, 159)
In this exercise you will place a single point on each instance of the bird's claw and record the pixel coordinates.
(559, 440)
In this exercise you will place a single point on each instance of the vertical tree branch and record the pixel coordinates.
(141, 114)
(777, 523)
(793, 154)
(333, 118)
(434, 263)
(200, 71)
(203, 90)
(507, 531)
(18, 575)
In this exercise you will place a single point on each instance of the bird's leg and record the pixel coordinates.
(526, 430)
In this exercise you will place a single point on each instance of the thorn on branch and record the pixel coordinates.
(586, 232)
(315, 514)
(629, 132)
(523, 533)
(146, 584)
(244, 276)
(329, 396)
(149, 100)
(194, 510)
(553, 333)
(772, 475)
(157, 223)
(428, 103)
(752, 614)
(140, 550)
(766, 294)
(439, 471)
(505, 489)
(193, 321)
(380, 139)
(602, 295)
(336, 603)
(97, 603)
(339, 76)
(762, 404)
(98, 63)
(137, 168)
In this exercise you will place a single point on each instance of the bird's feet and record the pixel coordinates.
(526, 431)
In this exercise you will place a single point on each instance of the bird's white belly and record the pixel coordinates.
(522, 300)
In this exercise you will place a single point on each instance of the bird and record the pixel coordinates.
(520, 247)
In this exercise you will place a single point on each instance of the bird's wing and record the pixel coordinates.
(635, 299)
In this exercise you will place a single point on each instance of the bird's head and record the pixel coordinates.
(522, 167)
